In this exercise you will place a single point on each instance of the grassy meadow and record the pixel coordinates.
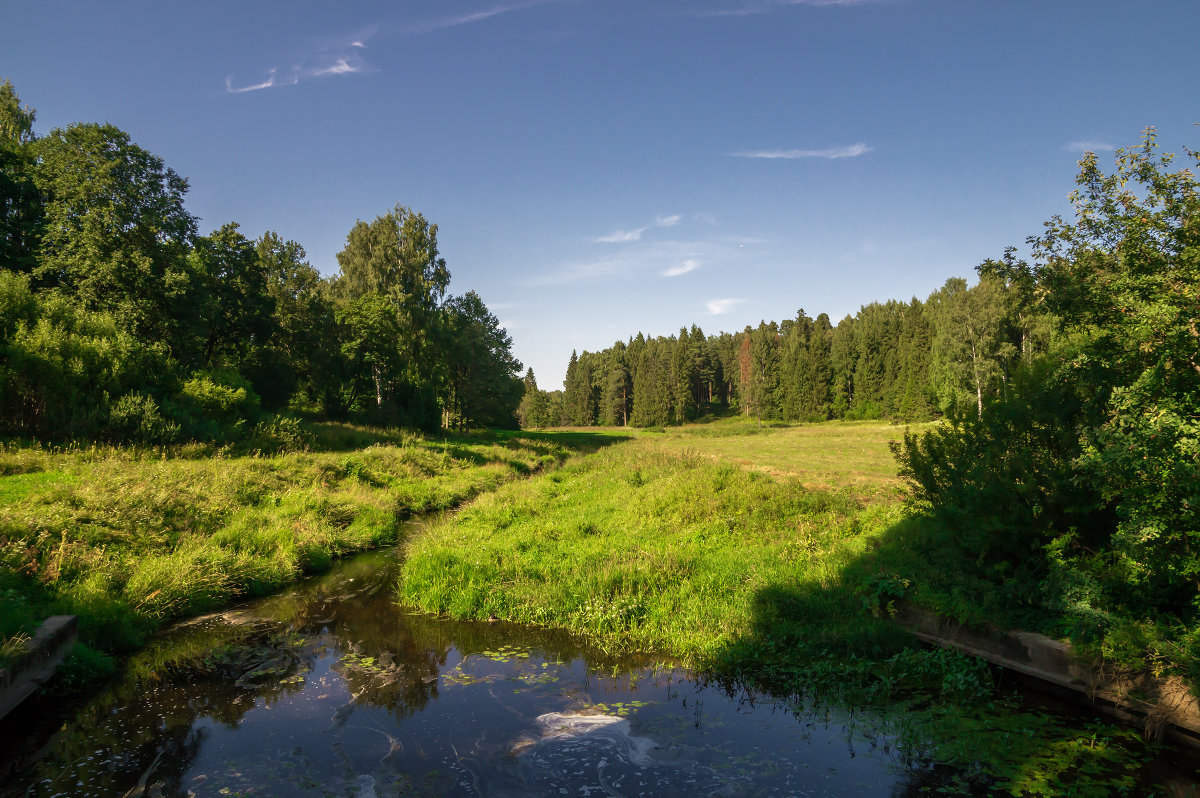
(767, 555)
(838, 455)
(129, 538)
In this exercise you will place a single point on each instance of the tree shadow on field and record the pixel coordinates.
(575, 441)
(947, 722)
(335, 436)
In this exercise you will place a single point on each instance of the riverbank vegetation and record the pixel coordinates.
(129, 538)
(663, 546)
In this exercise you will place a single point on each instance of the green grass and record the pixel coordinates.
(128, 538)
(641, 549)
(838, 455)
(711, 544)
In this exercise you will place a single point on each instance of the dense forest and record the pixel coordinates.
(914, 361)
(120, 322)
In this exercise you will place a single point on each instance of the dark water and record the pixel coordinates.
(332, 690)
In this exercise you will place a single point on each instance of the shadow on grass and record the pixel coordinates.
(334, 436)
(952, 723)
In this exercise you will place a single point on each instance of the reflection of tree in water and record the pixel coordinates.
(142, 734)
(146, 733)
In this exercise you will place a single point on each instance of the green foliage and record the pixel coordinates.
(221, 394)
(277, 434)
(21, 206)
(62, 368)
(481, 372)
(136, 417)
(891, 360)
(116, 232)
(110, 298)
(83, 667)
(1080, 486)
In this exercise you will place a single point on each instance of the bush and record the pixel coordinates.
(60, 366)
(280, 434)
(135, 418)
(221, 394)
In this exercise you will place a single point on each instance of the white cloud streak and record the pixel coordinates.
(339, 67)
(625, 236)
(771, 6)
(622, 236)
(829, 153)
(269, 83)
(576, 272)
(339, 58)
(1088, 145)
(473, 17)
(718, 306)
(689, 265)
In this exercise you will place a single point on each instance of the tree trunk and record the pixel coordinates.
(978, 381)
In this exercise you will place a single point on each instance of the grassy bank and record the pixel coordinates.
(128, 539)
(780, 579)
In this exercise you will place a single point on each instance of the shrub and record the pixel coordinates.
(136, 418)
(281, 434)
(221, 394)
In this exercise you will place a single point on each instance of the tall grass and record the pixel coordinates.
(640, 548)
(128, 538)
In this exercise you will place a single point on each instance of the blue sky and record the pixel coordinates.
(600, 167)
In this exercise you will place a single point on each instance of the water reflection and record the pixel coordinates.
(331, 690)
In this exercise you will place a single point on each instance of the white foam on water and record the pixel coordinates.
(609, 729)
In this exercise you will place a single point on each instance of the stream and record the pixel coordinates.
(331, 689)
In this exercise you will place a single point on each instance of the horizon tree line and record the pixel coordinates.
(914, 361)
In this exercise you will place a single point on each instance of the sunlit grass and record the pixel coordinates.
(836, 455)
(642, 548)
(128, 538)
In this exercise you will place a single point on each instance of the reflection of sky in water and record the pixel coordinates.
(330, 690)
(512, 726)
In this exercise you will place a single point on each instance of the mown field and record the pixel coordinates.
(770, 556)
(127, 539)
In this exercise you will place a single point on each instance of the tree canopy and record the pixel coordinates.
(122, 322)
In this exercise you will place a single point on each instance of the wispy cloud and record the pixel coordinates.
(269, 83)
(340, 57)
(584, 270)
(1089, 145)
(689, 265)
(339, 67)
(718, 306)
(476, 16)
(622, 236)
(661, 257)
(830, 153)
(625, 236)
(769, 6)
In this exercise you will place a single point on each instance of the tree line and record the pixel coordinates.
(1066, 473)
(119, 321)
(908, 360)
